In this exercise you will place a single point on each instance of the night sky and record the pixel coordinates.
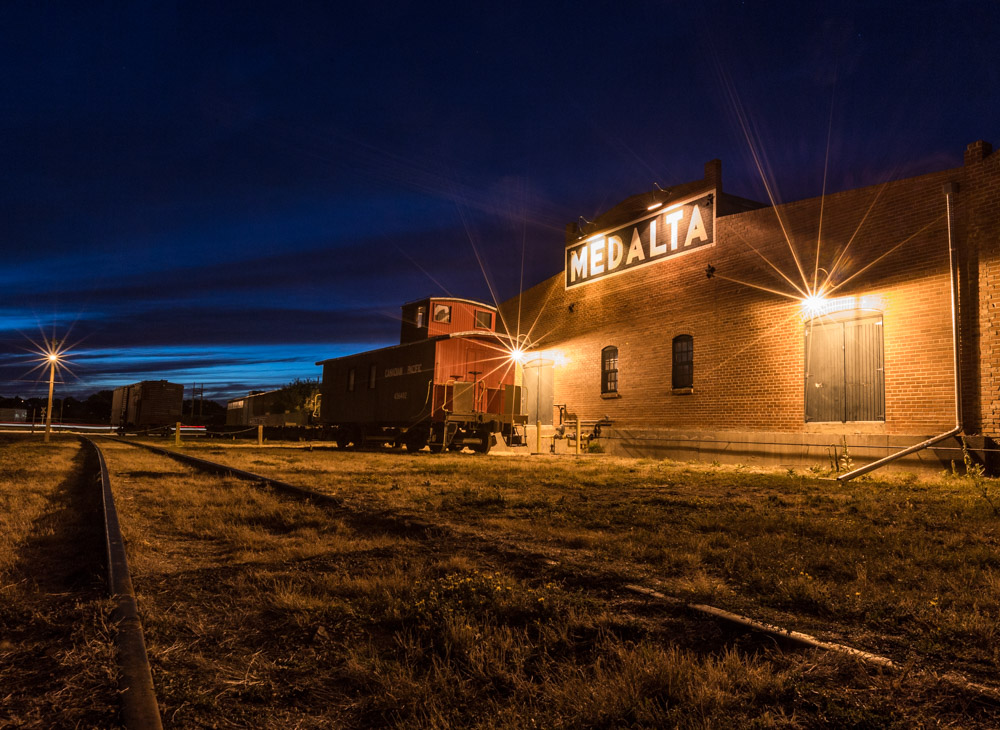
(227, 193)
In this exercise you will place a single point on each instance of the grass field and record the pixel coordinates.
(906, 568)
(261, 611)
(903, 566)
(56, 661)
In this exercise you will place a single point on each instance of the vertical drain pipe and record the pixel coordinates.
(949, 190)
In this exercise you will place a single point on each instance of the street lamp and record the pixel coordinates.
(53, 358)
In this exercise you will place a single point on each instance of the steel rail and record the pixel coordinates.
(986, 693)
(223, 470)
(372, 518)
(138, 697)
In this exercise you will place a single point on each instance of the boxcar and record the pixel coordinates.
(445, 385)
(282, 407)
(147, 404)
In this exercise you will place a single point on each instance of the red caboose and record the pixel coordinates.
(451, 382)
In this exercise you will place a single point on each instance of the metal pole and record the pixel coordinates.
(577, 435)
(949, 190)
(538, 408)
(48, 411)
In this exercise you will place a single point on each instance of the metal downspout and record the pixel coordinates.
(949, 190)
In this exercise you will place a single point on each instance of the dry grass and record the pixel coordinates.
(56, 658)
(902, 566)
(264, 612)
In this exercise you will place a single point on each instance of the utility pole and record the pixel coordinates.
(53, 359)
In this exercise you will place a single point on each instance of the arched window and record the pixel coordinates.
(682, 375)
(609, 370)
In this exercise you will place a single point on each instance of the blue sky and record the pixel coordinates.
(223, 197)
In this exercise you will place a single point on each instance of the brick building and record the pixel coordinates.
(685, 320)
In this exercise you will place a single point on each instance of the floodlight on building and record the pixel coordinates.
(813, 305)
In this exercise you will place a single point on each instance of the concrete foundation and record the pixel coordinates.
(797, 450)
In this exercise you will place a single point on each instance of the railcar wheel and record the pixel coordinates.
(485, 437)
(415, 439)
(437, 438)
(351, 437)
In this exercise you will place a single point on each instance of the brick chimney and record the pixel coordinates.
(713, 174)
(977, 152)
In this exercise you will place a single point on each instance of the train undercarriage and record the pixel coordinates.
(478, 431)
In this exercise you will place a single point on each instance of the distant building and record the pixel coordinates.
(294, 405)
(13, 415)
(147, 404)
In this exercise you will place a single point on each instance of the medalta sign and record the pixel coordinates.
(674, 230)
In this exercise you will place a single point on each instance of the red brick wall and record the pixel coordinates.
(978, 212)
(748, 343)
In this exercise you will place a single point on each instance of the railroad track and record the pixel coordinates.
(139, 703)
(531, 563)
(67, 609)
(138, 698)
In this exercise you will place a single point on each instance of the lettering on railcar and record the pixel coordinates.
(408, 370)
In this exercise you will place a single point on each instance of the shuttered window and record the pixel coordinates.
(844, 376)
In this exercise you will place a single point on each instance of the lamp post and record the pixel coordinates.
(53, 359)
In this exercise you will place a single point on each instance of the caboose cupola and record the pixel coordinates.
(444, 316)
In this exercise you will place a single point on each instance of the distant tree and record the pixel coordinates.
(293, 396)
(97, 406)
(205, 412)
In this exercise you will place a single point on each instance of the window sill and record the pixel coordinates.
(607, 396)
(682, 391)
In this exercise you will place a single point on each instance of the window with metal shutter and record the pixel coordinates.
(844, 378)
